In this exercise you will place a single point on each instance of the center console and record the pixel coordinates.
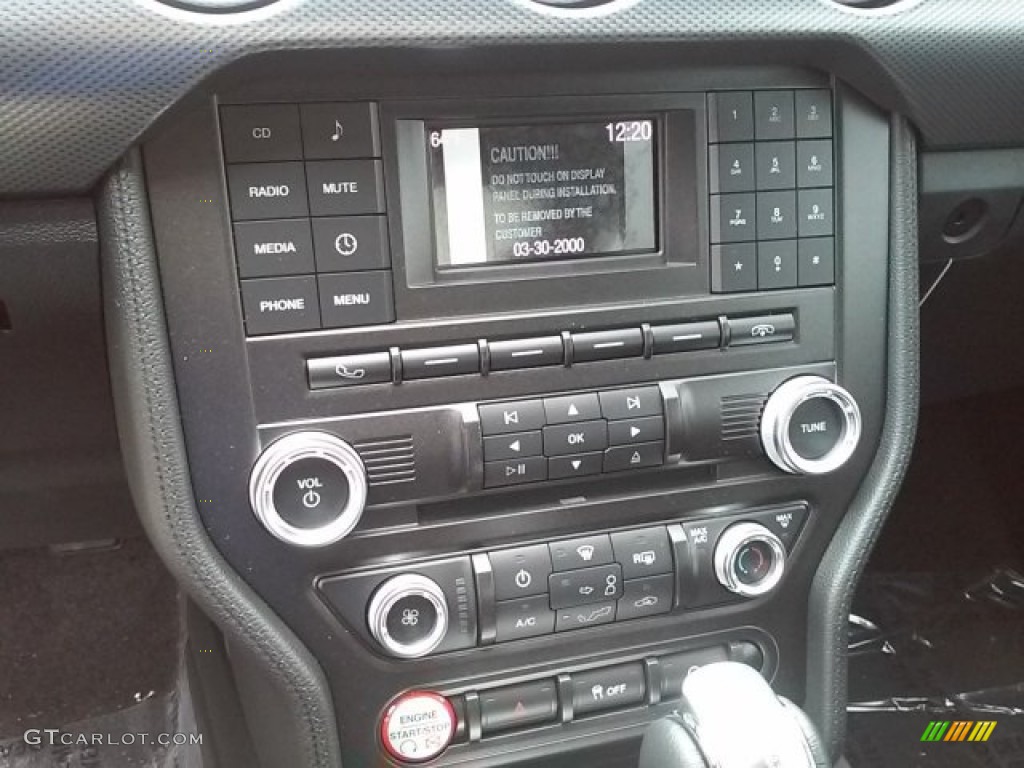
(518, 398)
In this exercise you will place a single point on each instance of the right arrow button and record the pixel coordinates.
(630, 431)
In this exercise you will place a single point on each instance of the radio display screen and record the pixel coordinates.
(542, 192)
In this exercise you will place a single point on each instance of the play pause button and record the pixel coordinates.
(515, 445)
(574, 465)
(515, 471)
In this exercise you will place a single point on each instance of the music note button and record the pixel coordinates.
(336, 130)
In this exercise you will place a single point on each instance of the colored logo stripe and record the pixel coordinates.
(959, 730)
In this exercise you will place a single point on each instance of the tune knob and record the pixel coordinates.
(408, 615)
(308, 489)
(810, 426)
(749, 559)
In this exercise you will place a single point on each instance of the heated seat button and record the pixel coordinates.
(345, 187)
(645, 597)
(349, 370)
(520, 572)
(351, 243)
(310, 493)
(356, 298)
(519, 619)
(631, 403)
(340, 130)
(599, 690)
(270, 248)
(280, 305)
(644, 552)
(260, 133)
(587, 585)
(518, 706)
(584, 437)
(267, 191)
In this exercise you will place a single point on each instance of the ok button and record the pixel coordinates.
(580, 437)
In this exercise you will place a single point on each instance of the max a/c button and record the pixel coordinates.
(356, 298)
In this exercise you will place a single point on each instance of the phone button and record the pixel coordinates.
(348, 371)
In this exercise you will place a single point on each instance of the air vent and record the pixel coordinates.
(388, 461)
(217, 6)
(741, 417)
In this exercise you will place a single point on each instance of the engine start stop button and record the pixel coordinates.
(418, 726)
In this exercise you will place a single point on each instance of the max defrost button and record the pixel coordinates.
(345, 187)
(520, 572)
(356, 298)
(280, 305)
(349, 370)
(351, 243)
(418, 727)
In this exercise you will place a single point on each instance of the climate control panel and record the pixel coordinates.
(566, 585)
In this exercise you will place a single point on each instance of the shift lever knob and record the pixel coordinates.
(729, 717)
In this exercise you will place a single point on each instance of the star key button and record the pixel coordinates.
(734, 267)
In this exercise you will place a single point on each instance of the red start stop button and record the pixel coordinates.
(418, 726)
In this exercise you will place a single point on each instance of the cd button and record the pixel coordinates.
(356, 298)
(520, 416)
(349, 370)
(332, 131)
(526, 353)
(511, 446)
(581, 553)
(519, 619)
(571, 408)
(430, 363)
(351, 243)
(345, 187)
(607, 345)
(638, 456)
(583, 437)
(532, 469)
(630, 403)
(631, 431)
(520, 572)
(575, 465)
(260, 133)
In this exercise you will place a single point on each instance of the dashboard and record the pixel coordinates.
(481, 369)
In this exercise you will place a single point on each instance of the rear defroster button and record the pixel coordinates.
(418, 726)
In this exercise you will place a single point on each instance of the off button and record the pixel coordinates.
(418, 727)
(310, 493)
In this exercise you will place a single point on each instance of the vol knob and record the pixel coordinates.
(308, 489)
(810, 426)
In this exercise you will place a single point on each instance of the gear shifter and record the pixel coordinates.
(729, 717)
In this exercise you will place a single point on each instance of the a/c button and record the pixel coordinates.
(356, 298)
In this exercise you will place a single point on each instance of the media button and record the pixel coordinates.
(583, 437)
(571, 408)
(632, 431)
(356, 298)
(513, 445)
(648, 596)
(340, 131)
(271, 248)
(581, 553)
(598, 690)
(638, 456)
(519, 619)
(260, 133)
(575, 465)
(280, 305)
(630, 403)
(267, 191)
(345, 187)
(520, 416)
(349, 370)
(351, 243)
(607, 345)
(644, 552)
(520, 572)
(531, 469)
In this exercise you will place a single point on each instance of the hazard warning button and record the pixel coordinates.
(418, 726)
(518, 705)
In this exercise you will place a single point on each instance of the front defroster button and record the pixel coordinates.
(418, 726)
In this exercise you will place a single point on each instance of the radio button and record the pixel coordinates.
(773, 115)
(520, 416)
(267, 191)
(584, 616)
(732, 116)
(630, 403)
(776, 215)
(732, 167)
(571, 408)
(646, 597)
(351, 243)
(586, 586)
(260, 133)
(356, 298)
(271, 248)
(280, 305)
(332, 131)
(582, 437)
(575, 465)
(349, 370)
(776, 165)
(519, 619)
(765, 329)
(345, 187)
(686, 337)
(633, 431)
(623, 457)
(520, 572)
(434, 362)
(607, 345)
(582, 552)
(813, 114)
(514, 445)
(776, 264)
(732, 218)
(526, 353)
(644, 552)
(532, 469)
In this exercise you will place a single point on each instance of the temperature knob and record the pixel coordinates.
(408, 615)
(308, 489)
(749, 559)
(810, 426)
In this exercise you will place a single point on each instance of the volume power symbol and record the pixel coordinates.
(311, 499)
